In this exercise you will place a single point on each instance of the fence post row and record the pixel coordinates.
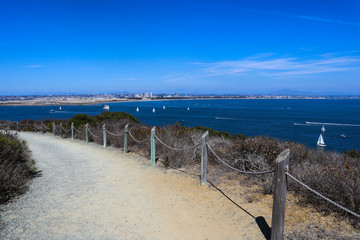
(72, 131)
(279, 202)
(204, 158)
(54, 129)
(104, 135)
(153, 146)
(126, 130)
(87, 132)
(60, 130)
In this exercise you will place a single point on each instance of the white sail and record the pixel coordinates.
(60, 108)
(106, 107)
(321, 142)
(188, 109)
(153, 110)
(164, 107)
(137, 109)
(323, 129)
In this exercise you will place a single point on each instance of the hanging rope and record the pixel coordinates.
(45, 126)
(177, 149)
(92, 133)
(138, 140)
(115, 134)
(77, 130)
(235, 169)
(65, 129)
(322, 196)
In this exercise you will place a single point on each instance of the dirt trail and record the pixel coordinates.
(88, 192)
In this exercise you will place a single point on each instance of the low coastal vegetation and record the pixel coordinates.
(16, 166)
(335, 175)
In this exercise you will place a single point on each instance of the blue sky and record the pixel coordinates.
(223, 47)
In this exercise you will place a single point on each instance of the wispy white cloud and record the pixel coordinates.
(311, 18)
(34, 66)
(282, 66)
(325, 20)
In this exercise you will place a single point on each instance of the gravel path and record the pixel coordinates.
(88, 192)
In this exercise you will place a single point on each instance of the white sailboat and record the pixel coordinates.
(164, 107)
(106, 107)
(323, 129)
(60, 108)
(321, 142)
(153, 110)
(137, 109)
(188, 109)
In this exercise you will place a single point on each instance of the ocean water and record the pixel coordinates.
(283, 119)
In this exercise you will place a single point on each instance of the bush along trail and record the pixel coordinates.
(323, 188)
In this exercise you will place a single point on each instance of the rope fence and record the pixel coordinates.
(322, 196)
(115, 134)
(139, 141)
(45, 126)
(57, 131)
(176, 149)
(281, 170)
(65, 129)
(235, 169)
(93, 134)
(77, 130)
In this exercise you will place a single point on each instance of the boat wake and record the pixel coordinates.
(301, 124)
(60, 112)
(333, 124)
(222, 118)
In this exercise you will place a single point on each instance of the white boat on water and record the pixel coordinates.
(106, 107)
(323, 129)
(343, 136)
(164, 107)
(60, 108)
(153, 110)
(188, 109)
(137, 109)
(321, 142)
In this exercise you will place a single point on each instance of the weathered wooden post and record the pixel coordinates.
(204, 158)
(72, 131)
(60, 129)
(126, 132)
(104, 135)
(87, 132)
(42, 128)
(27, 126)
(17, 126)
(35, 128)
(153, 146)
(279, 202)
(54, 133)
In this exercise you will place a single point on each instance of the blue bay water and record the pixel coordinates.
(251, 117)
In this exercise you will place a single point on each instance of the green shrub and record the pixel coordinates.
(352, 153)
(16, 167)
(81, 119)
(116, 116)
(213, 132)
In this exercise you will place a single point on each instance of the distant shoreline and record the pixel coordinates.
(73, 103)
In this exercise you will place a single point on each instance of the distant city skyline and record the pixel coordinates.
(195, 47)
